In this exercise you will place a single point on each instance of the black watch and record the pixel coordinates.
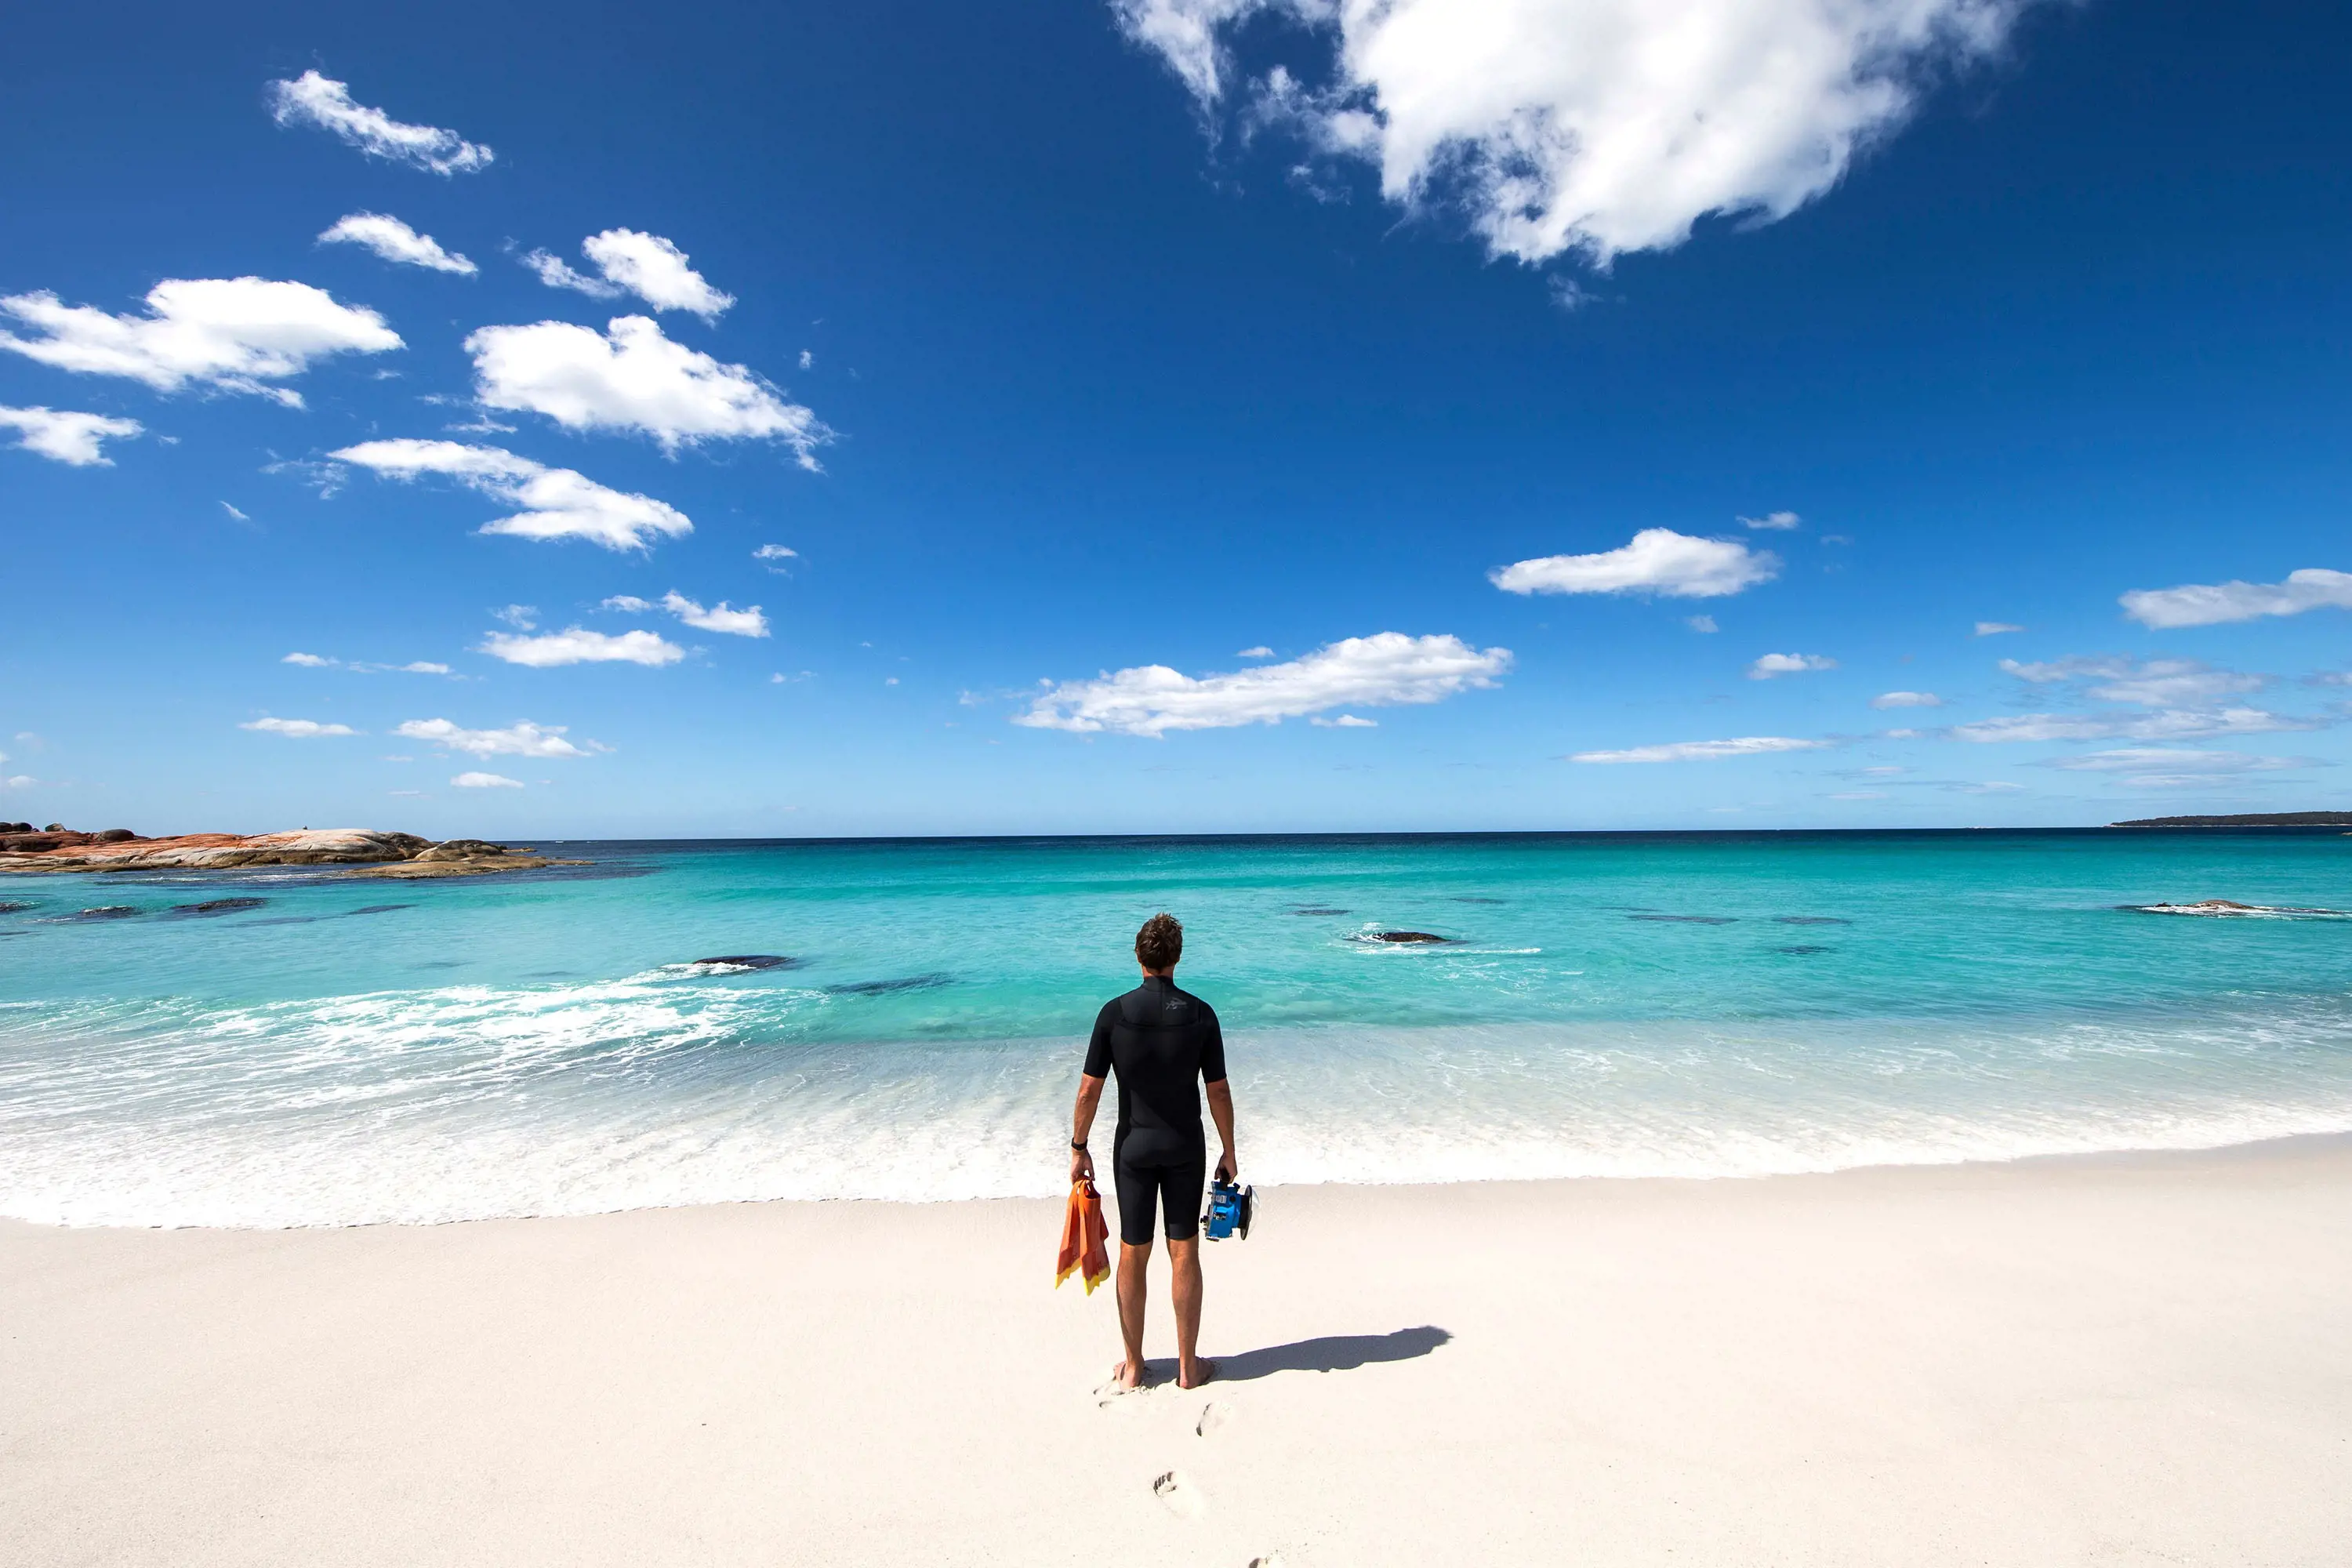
(1078, 1146)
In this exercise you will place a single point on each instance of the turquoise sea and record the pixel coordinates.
(1607, 1004)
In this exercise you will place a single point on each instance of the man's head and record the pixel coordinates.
(1160, 944)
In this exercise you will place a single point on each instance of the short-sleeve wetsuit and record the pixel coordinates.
(1163, 1044)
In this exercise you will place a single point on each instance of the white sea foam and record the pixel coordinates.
(473, 1102)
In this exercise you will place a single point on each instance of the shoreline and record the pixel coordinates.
(2150, 1157)
(2127, 1358)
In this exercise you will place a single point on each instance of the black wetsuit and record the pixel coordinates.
(1163, 1044)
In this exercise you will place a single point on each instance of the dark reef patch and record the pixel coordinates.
(1466, 899)
(214, 907)
(1688, 920)
(1401, 936)
(379, 908)
(7, 908)
(885, 987)
(103, 912)
(1803, 950)
(755, 961)
(1316, 910)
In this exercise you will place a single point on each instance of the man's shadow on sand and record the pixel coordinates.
(1330, 1353)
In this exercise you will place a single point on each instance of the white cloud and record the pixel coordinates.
(808, 360)
(2155, 683)
(2164, 726)
(1778, 664)
(395, 241)
(229, 334)
(1702, 750)
(557, 503)
(1704, 624)
(1860, 794)
(1782, 520)
(646, 265)
(574, 646)
(744, 623)
(235, 515)
(520, 739)
(314, 99)
(1906, 699)
(298, 729)
(1260, 651)
(632, 377)
(2195, 605)
(309, 660)
(485, 781)
(773, 554)
(1386, 668)
(2177, 762)
(1344, 721)
(1590, 126)
(723, 618)
(414, 666)
(1995, 628)
(558, 273)
(1656, 561)
(67, 437)
(522, 618)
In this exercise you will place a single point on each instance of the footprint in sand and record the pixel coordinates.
(1183, 1499)
(1212, 1417)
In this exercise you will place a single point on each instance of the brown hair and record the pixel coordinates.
(1160, 944)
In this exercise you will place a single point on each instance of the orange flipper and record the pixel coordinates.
(1082, 1236)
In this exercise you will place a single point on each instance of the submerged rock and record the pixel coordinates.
(1316, 910)
(9, 909)
(884, 987)
(103, 912)
(1688, 920)
(1802, 950)
(753, 961)
(1402, 936)
(217, 907)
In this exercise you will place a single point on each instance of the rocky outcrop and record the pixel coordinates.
(379, 853)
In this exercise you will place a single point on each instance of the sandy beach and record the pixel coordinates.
(2114, 1360)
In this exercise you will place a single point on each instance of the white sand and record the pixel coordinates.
(2143, 1360)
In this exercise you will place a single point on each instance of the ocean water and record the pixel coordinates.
(1688, 1005)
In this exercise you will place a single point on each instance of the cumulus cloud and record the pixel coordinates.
(1995, 628)
(66, 437)
(1656, 561)
(1906, 699)
(646, 265)
(298, 729)
(522, 618)
(1702, 624)
(721, 617)
(520, 739)
(2155, 683)
(229, 334)
(1386, 668)
(312, 99)
(1703, 750)
(574, 646)
(1781, 520)
(1778, 664)
(1592, 127)
(2176, 761)
(557, 503)
(485, 781)
(2169, 725)
(1344, 721)
(1260, 651)
(773, 555)
(2206, 604)
(632, 377)
(395, 241)
(309, 660)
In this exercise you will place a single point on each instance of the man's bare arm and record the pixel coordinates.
(1081, 1124)
(1221, 1110)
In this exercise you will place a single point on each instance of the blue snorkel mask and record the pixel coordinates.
(1230, 1210)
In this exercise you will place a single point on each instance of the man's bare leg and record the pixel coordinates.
(1134, 1271)
(1184, 1266)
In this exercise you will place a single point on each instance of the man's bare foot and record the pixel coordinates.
(1202, 1371)
(1124, 1375)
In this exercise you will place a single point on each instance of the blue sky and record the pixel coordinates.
(1460, 360)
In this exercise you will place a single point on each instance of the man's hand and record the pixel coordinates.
(1228, 1167)
(1082, 1166)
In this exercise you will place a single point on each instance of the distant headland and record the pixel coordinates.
(372, 852)
(2258, 819)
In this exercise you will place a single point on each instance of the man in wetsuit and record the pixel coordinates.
(1163, 1044)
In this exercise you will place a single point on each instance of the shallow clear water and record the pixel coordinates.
(1692, 1004)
